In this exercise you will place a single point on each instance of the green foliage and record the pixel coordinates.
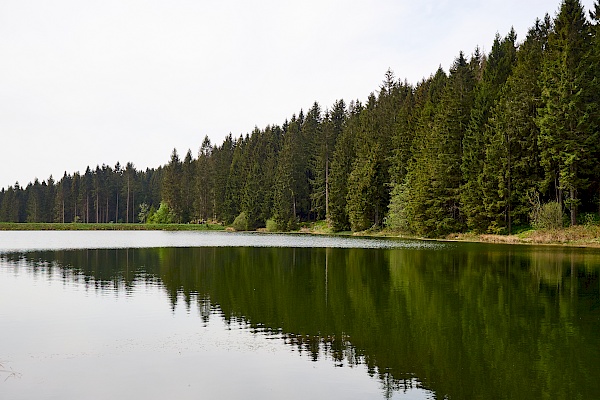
(172, 188)
(548, 216)
(479, 138)
(291, 195)
(164, 215)
(568, 137)
(271, 226)
(241, 222)
(343, 157)
(144, 213)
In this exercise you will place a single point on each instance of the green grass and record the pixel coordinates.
(42, 226)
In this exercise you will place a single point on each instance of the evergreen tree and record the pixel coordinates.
(341, 167)
(495, 72)
(409, 204)
(204, 203)
(171, 188)
(235, 181)
(511, 163)
(428, 202)
(322, 156)
(222, 158)
(188, 178)
(593, 101)
(253, 190)
(565, 130)
(291, 201)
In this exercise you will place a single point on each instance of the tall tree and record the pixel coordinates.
(341, 167)
(291, 201)
(511, 162)
(495, 71)
(188, 179)
(171, 188)
(204, 205)
(565, 134)
(410, 199)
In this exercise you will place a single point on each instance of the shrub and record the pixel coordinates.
(164, 215)
(241, 222)
(548, 216)
(272, 226)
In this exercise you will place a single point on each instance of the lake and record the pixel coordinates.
(217, 315)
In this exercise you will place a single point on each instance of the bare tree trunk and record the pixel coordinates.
(127, 213)
(327, 189)
(573, 194)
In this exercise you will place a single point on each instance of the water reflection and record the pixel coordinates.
(466, 321)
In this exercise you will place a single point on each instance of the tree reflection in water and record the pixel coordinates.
(465, 321)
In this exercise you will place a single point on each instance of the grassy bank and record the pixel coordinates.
(9, 226)
(579, 235)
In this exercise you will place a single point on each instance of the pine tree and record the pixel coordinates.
(443, 213)
(565, 132)
(171, 187)
(409, 199)
(496, 70)
(291, 201)
(511, 162)
(253, 190)
(205, 190)
(235, 181)
(361, 200)
(323, 146)
(593, 101)
(221, 158)
(341, 167)
(188, 178)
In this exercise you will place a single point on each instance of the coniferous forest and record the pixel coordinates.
(481, 148)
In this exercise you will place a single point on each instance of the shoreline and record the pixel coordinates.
(575, 236)
(76, 226)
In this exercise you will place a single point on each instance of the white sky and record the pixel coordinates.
(95, 82)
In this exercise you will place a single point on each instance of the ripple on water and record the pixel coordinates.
(61, 240)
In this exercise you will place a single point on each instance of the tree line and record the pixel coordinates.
(476, 149)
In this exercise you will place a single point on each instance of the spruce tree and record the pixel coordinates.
(171, 187)
(341, 167)
(495, 71)
(511, 162)
(235, 181)
(205, 187)
(410, 198)
(291, 197)
(188, 179)
(565, 131)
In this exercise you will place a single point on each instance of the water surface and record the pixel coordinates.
(221, 315)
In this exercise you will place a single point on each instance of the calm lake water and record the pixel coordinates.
(190, 315)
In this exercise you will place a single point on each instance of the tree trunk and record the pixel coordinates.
(573, 194)
(127, 213)
(327, 189)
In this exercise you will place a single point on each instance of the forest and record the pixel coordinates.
(484, 147)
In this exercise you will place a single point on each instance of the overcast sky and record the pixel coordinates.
(96, 82)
